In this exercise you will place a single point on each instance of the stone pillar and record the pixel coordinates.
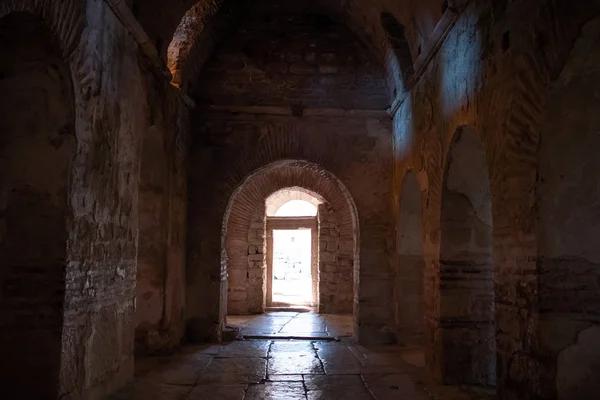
(257, 271)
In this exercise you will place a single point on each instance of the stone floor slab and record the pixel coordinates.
(395, 394)
(334, 382)
(182, 371)
(223, 371)
(388, 380)
(276, 391)
(152, 391)
(285, 378)
(211, 392)
(246, 349)
(340, 395)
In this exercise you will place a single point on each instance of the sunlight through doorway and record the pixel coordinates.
(292, 275)
(292, 262)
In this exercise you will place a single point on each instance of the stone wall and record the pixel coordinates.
(466, 323)
(97, 354)
(92, 92)
(492, 73)
(162, 204)
(37, 145)
(336, 267)
(250, 297)
(567, 194)
(409, 269)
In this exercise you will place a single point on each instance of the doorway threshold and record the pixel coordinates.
(289, 308)
(320, 337)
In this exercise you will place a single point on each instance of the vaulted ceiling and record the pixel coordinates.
(194, 26)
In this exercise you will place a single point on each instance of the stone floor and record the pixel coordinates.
(293, 324)
(286, 369)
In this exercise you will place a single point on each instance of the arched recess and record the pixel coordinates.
(466, 342)
(37, 145)
(195, 26)
(568, 199)
(409, 285)
(248, 201)
(394, 31)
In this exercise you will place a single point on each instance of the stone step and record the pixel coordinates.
(323, 337)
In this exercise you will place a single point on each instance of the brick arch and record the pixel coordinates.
(194, 26)
(279, 198)
(250, 197)
(64, 18)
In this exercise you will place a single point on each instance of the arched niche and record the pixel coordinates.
(467, 332)
(37, 144)
(409, 285)
(568, 199)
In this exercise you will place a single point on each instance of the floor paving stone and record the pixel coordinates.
(152, 391)
(245, 349)
(340, 395)
(212, 392)
(276, 391)
(333, 382)
(234, 371)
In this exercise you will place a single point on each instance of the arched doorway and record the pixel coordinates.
(37, 143)
(245, 230)
(408, 287)
(468, 342)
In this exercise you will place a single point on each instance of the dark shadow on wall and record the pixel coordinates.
(37, 145)
(395, 34)
(568, 197)
(467, 314)
(409, 285)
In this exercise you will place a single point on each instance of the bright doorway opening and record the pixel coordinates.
(292, 267)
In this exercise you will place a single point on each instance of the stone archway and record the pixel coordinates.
(467, 320)
(37, 146)
(247, 208)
